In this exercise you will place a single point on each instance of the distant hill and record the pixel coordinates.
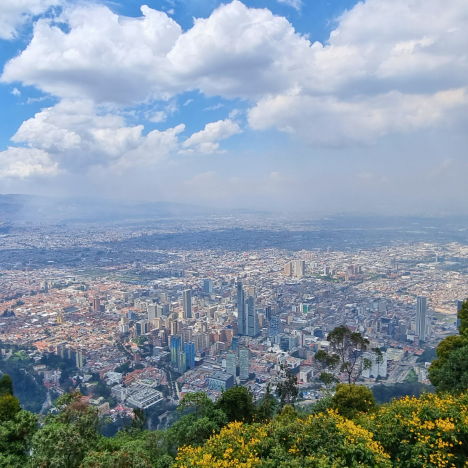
(47, 209)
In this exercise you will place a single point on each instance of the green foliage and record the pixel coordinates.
(15, 439)
(452, 375)
(266, 407)
(287, 389)
(411, 377)
(138, 421)
(237, 404)
(463, 317)
(450, 371)
(322, 405)
(350, 400)
(123, 368)
(27, 386)
(428, 355)
(345, 351)
(9, 407)
(6, 385)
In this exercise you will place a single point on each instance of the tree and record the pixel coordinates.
(452, 374)
(138, 421)
(350, 400)
(9, 407)
(346, 348)
(237, 403)
(463, 318)
(199, 401)
(329, 380)
(441, 366)
(287, 389)
(266, 407)
(6, 385)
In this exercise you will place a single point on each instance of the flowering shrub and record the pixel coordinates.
(431, 431)
(323, 440)
(428, 432)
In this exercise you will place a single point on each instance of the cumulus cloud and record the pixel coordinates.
(327, 120)
(206, 141)
(25, 162)
(102, 57)
(389, 66)
(76, 135)
(15, 13)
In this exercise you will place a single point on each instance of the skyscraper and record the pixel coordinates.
(208, 285)
(421, 318)
(244, 364)
(241, 325)
(181, 361)
(151, 312)
(187, 297)
(96, 304)
(253, 326)
(190, 354)
(176, 345)
(231, 364)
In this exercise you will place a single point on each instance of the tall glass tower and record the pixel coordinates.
(187, 297)
(421, 318)
(241, 325)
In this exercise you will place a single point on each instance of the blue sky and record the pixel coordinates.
(313, 106)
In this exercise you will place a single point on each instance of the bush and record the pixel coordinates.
(349, 400)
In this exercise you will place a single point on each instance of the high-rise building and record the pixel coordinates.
(208, 285)
(79, 358)
(253, 325)
(421, 318)
(287, 269)
(176, 345)
(187, 297)
(174, 327)
(231, 363)
(96, 304)
(181, 361)
(141, 327)
(235, 340)
(60, 317)
(152, 312)
(190, 354)
(241, 316)
(268, 312)
(275, 326)
(298, 268)
(244, 364)
(45, 286)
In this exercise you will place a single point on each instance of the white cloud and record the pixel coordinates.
(187, 102)
(76, 135)
(16, 92)
(158, 116)
(296, 4)
(389, 66)
(103, 57)
(25, 162)
(15, 13)
(329, 121)
(206, 140)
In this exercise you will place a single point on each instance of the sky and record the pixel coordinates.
(293, 105)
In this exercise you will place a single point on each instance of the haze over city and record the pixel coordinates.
(301, 106)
